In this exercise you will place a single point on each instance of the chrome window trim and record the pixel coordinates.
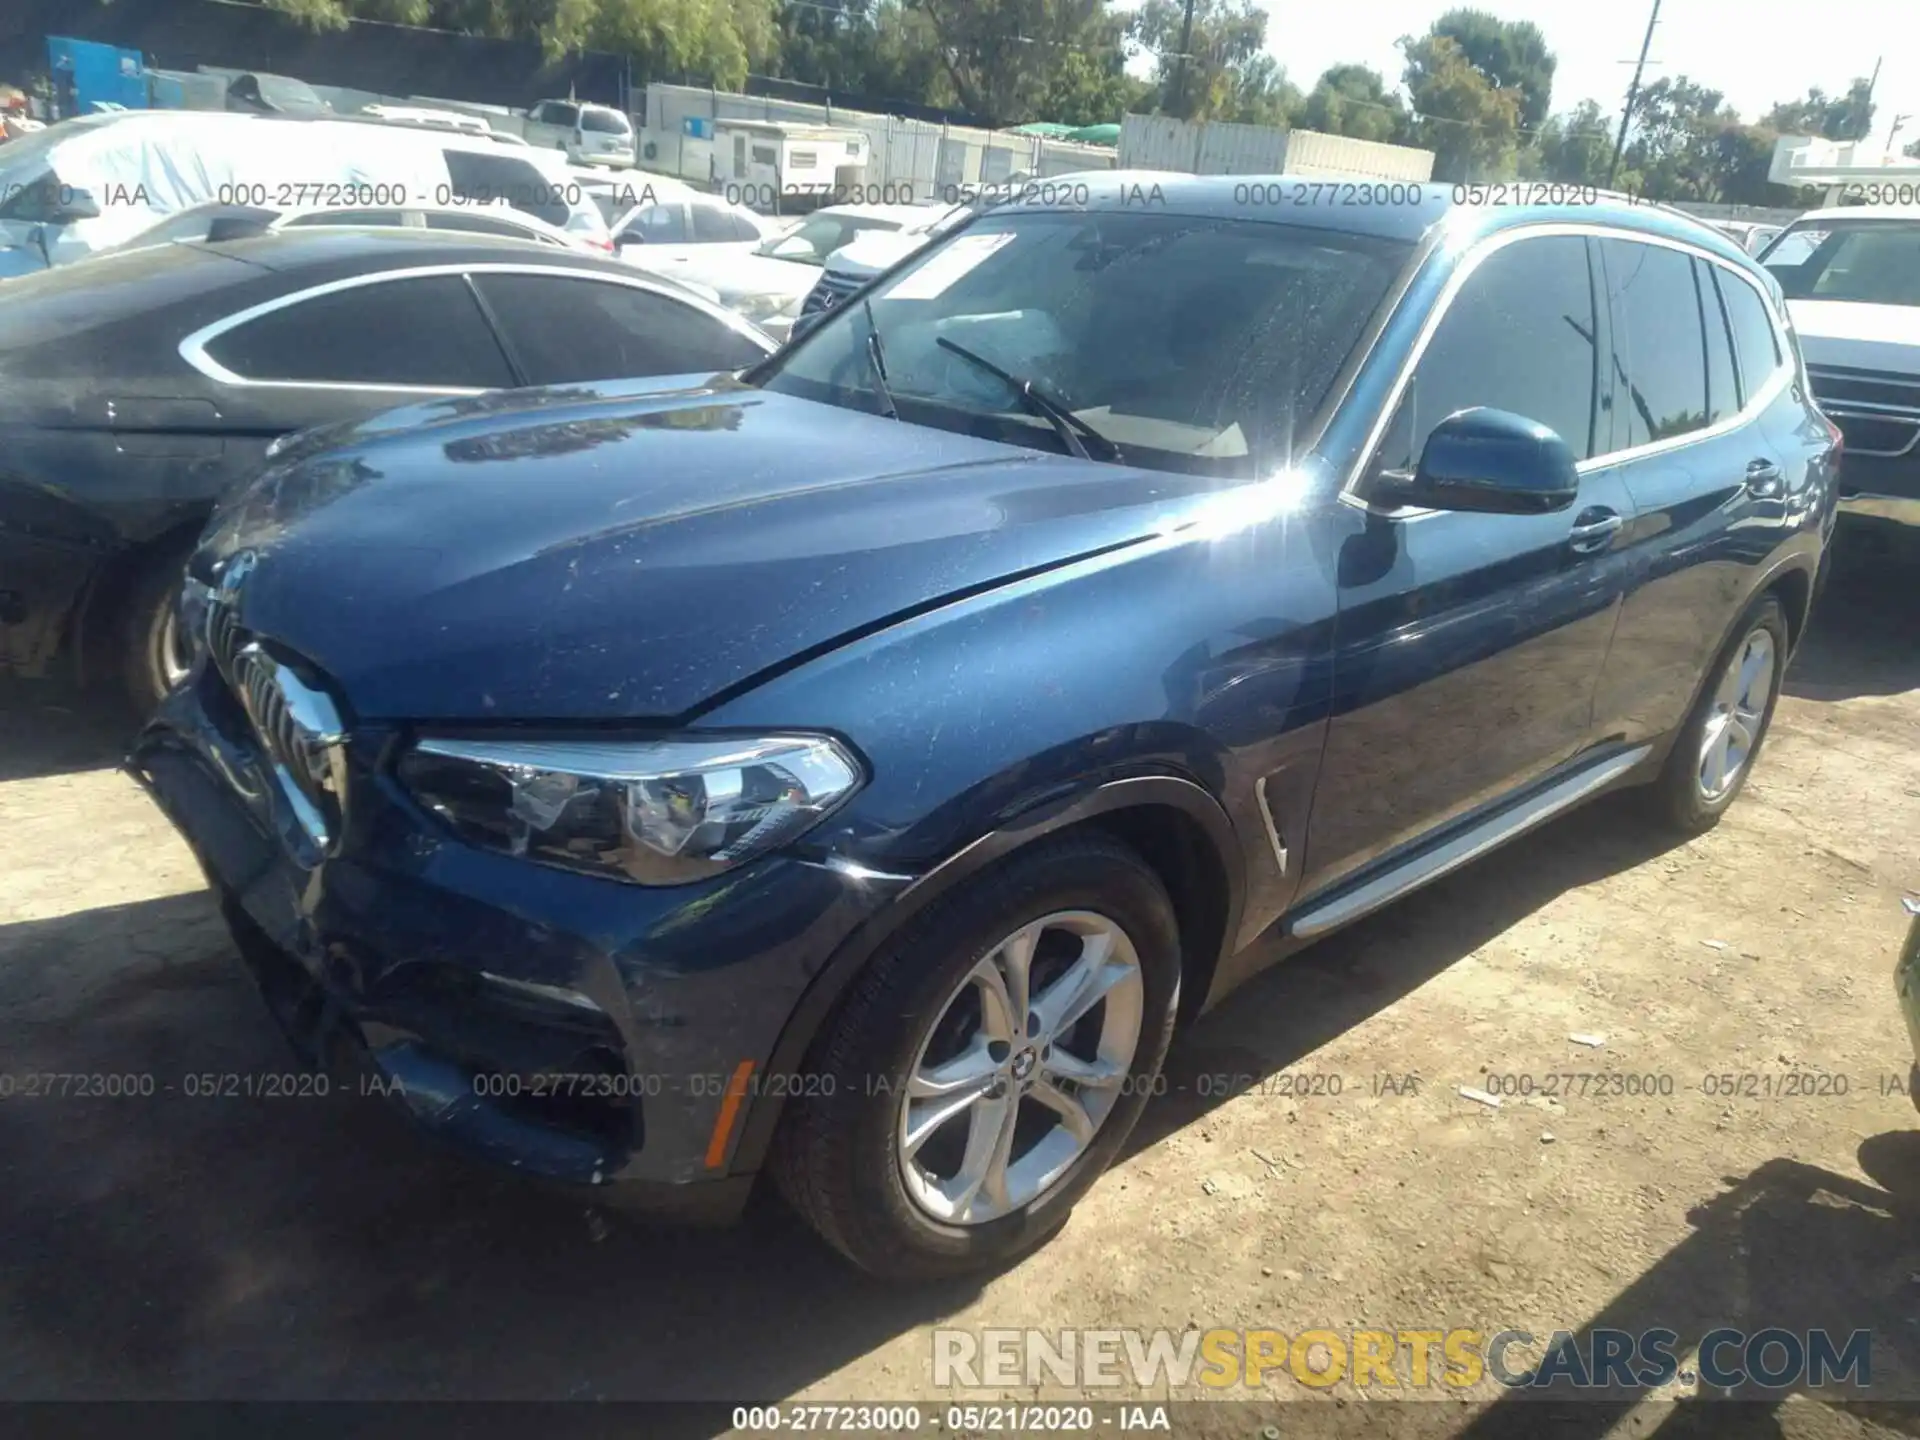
(193, 349)
(1476, 255)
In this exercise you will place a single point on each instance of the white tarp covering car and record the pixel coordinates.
(98, 180)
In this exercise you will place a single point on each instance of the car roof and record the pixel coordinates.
(1861, 212)
(350, 247)
(1361, 204)
(904, 214)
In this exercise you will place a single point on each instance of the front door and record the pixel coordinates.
(1469, 646)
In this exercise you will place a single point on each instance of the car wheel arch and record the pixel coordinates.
(1163, 818)
(98, 616)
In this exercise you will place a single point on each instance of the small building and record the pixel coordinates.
(786, 166)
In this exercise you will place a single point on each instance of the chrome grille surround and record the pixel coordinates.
(302, 737)
(1878, 413)
(828, 292)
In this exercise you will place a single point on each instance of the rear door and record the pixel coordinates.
(1469, 646)
(1702, 391)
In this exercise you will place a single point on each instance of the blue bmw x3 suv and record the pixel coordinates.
(852, 769)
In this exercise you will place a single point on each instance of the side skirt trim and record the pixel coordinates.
(1430, 862)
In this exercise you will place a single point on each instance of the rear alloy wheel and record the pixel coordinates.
(1716, 749)
(988, 1064)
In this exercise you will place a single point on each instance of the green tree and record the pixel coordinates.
(1093, 88)
(1675, 140)
(1575, 148)
(1511, 54)
(1471, 125)
(1912, 151)
(1354, 100)
(1001, 56)
(1226, 74)
(1837, 117)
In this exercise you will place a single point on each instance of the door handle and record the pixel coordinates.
(1763, 479)
(1594, 529)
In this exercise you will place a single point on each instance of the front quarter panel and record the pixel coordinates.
(1198, 655)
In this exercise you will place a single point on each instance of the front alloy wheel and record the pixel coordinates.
(987, 1064)
(1021, 1069)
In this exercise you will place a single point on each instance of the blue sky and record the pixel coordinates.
(1755, 52)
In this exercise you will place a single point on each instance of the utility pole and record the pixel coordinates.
(1633, 94)
(1866, 108)
(1180, 65)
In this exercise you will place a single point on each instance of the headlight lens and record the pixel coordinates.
(653, 812)
(765, 307)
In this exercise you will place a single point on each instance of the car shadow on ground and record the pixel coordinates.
(1865, 634)
(227, 1245)
(198, 1243)
(1788, 1246)
(49, 728)
(1305, 1002)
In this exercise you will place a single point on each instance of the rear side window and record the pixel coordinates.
(605, 122)
(1659, 355)
(1723, 397)
(486, 178)
(715, 224)
(1755, 344)
(662, 224)
(423, 332)
(1519, 336)
(560, 114)
(565, 329)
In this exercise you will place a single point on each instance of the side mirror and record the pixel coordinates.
(1491, 461)
(806, 325)
(39, 237)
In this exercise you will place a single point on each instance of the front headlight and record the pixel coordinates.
(655, 812)
(765, 307)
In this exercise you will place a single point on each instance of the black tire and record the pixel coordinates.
(1678, 799)
(145, 628)
(834, 1158)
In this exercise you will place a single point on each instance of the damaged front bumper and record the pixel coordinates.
(577, 1029)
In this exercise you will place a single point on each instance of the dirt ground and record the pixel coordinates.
(294, 1248)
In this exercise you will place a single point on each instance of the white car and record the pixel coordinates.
(1851, 275)
(677, 228)
(95, 182)
(226, 222)
(767, 282)
(872, 251)
(589, 134)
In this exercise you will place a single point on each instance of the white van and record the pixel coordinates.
(587, 134)
(99, 180)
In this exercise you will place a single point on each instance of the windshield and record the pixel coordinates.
(1194, 344)
(1875, 262)
(813, 239)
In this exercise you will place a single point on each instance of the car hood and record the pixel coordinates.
(872, 251)
(737, 275)
(592, 554)
(1859, 336)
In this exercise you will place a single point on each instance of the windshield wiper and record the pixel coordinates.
(1073, 431)
(877, 359)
